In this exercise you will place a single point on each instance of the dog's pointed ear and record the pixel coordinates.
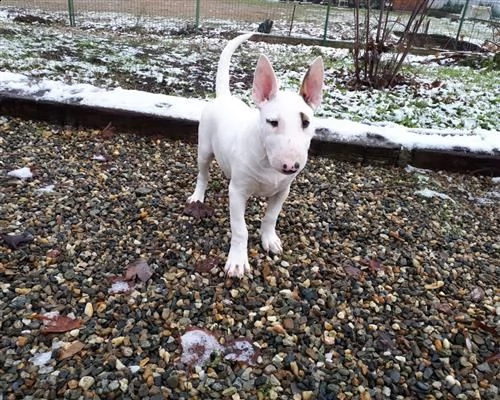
(312, 84)
(265, 84)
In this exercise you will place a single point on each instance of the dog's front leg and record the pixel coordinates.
(237, 260)
(270, 240)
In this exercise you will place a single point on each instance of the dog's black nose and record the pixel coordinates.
(291, 169)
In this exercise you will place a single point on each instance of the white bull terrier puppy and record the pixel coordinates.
(259, 150)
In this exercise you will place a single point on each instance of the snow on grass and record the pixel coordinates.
(479, 140)
(106, 55)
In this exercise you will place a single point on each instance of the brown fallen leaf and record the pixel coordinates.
(490, 329)
(372, 264)
(138, 269)
(207, 264)
(14, 241)
(445, 308)
(477, 294)
(266, 270)
(198, 210)
(493, 358)
(71, 349)
(107, 132)
(54, 253)
(353, 272)
(58, 323)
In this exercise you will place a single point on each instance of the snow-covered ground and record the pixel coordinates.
(478, 140)
(447, 106)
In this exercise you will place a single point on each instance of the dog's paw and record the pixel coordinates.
(237, 264)
(271, 242)
(196, 198)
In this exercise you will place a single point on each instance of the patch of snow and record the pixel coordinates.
(119, 287)
(21, 173)
(496, 180)
(46, 189)
(197, 346)
(410, 168)
(40, 359)
(50, 315)
(432, 193)
(242, 351)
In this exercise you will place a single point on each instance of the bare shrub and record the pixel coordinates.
(378, 53)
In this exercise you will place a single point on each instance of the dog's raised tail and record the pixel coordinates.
(222, 79)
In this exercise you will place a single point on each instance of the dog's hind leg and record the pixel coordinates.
(270, 240)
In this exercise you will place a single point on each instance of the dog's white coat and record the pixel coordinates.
(259, 150)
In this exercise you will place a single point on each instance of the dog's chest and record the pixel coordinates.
(268, 186)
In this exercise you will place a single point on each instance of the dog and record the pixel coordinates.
(260, 150)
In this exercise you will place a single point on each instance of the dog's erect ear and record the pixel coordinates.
(265, 84)
(312, 85)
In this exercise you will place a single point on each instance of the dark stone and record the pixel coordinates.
(422, 387)
(172, 381)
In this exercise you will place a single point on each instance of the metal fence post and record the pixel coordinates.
(464, 10)
(326, 21)
(71, 11)
(197, 15)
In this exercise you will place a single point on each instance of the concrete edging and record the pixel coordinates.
(375, 151)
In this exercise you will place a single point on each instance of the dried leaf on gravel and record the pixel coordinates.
(138, 269)
(353, 272)
(372, 264)
(384, 341)
(70, 349)
(198, 210)
(58, 323)
(477, 294)
(445, 308)
(493, 358)
(107, 132)
(207, 264)
(14, 241)
(481, 325)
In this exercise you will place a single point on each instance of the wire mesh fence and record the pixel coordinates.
(475, 21)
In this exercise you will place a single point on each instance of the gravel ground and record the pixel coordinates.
(381, 293)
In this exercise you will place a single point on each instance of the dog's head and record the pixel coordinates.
(286, 118)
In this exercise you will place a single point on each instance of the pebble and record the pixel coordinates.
(86, 382)
(382, 319)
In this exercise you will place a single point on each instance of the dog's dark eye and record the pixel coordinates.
(305, 123)
(272, 122)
